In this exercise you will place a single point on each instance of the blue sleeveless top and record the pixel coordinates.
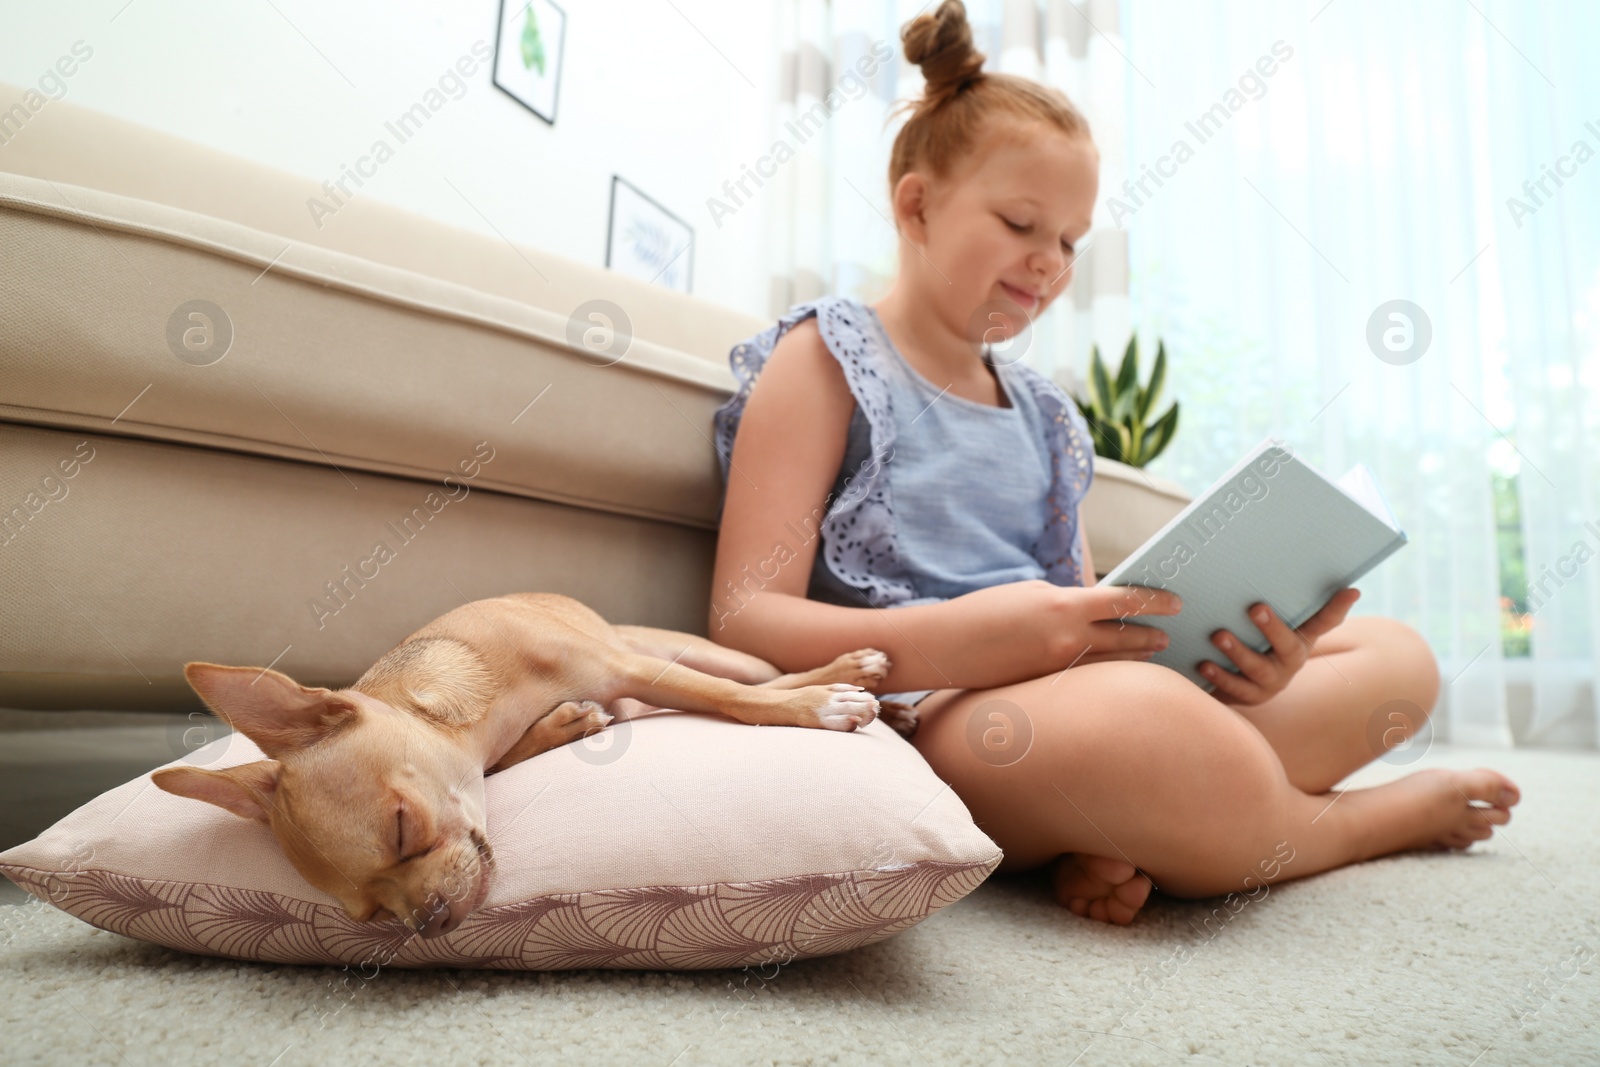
(937, 495)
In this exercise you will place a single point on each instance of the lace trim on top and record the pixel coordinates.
(859, 541)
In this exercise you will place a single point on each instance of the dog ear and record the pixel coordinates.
(279, 714)
(249, 790)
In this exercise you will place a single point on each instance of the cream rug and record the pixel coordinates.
(1477, 959)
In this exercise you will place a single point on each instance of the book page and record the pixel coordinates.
(1360, 484)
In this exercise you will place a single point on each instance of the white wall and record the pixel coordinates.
(672, 96)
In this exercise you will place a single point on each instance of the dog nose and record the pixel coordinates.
(441, 922)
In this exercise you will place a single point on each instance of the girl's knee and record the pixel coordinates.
(1411, 670)
(1422, 665)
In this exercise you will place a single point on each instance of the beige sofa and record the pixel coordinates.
(230, 434)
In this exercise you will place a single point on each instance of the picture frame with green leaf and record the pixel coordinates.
(528, 54)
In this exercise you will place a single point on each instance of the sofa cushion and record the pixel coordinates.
(332, 359)
(74, 145)
(124, 558)
(673, 840)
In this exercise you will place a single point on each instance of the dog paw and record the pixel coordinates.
(865, 667)
(840, 706)
(902, 718)
(574, 720)
(561, 725)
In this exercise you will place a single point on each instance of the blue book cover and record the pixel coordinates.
(1272, 530)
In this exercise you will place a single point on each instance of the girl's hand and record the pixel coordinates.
(1021, 630)
(1265, 675)
(1089, 622)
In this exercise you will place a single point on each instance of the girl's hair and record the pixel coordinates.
(960, 101)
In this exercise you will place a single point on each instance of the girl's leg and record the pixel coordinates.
(1370, 685)
(1133, 762)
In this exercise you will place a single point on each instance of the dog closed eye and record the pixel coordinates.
(400, 836)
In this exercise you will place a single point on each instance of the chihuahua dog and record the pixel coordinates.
(375, 793)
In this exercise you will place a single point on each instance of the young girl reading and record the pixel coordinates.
(929, 478)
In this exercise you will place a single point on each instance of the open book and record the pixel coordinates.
(1273, 530)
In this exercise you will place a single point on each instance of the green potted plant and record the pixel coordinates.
(1126, 504)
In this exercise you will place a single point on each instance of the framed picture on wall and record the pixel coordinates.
(645, 240)
(527, 54)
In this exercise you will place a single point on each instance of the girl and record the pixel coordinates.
(954, 483)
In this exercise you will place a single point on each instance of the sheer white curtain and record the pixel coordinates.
(1307, 165)
(829, 212)
(1274, 175)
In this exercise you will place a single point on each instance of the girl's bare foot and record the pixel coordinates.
(1434, 809)
(1099, 888)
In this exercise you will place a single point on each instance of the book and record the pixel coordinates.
(1272, 530)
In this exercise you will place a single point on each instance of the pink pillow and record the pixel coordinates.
(672, 841)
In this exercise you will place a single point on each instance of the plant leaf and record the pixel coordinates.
(1104, 400)
(1106, 439)
(1128, 373)
(1161, 432)
(1124, 445)
(1158, 377)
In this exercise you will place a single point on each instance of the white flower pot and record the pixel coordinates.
(1124, 507)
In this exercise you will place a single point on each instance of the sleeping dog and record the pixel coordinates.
(375, 792)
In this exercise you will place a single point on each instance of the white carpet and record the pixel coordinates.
(1478, 959)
